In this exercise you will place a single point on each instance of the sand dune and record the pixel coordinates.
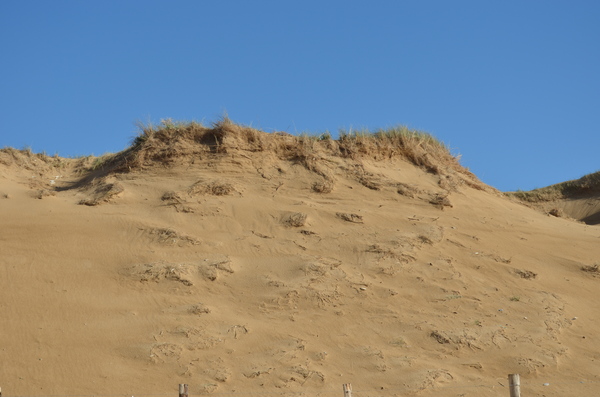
(272, 264)
(578, 199)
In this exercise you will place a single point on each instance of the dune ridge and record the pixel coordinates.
(577, 199)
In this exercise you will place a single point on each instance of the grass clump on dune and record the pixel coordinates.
(167, 130)
(418, 147)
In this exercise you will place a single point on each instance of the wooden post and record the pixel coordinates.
(347, 390)
(183, 390)
(514, 384)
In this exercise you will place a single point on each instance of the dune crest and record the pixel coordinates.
(578, 199)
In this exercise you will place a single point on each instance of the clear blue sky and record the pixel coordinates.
(512, 86)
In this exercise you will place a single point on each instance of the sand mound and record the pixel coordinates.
(240, 262)
(578, 199)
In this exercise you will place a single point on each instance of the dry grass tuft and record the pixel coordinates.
(440, 200)
(325, 186)
(370, 183)
(593, 269)
(526, 274)
(440, 337)
(407, 190)
(36, 162)
(353, 218)
(213, 188)
(296, 219)
(168, 236)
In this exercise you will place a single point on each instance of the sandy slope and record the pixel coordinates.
(233, 275)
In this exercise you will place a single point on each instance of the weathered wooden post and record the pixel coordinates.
(347, 390)
(183, 390)
(514, 384)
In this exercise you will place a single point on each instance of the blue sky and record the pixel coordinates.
(511, 86)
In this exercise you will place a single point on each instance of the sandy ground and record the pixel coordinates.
(235, 276)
